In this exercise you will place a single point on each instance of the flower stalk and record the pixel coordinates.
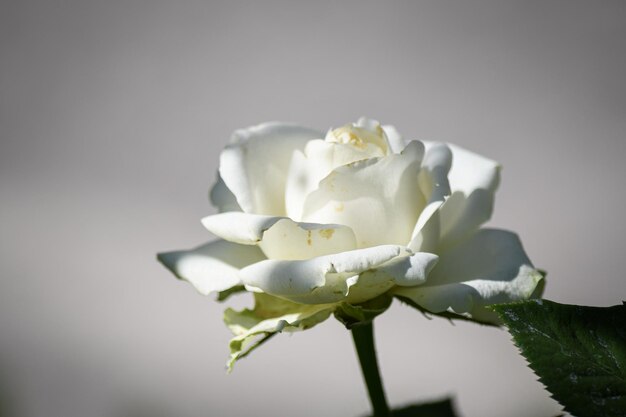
(363, 336)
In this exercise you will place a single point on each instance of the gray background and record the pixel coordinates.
(112, 115)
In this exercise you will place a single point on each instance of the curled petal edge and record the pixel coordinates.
(281, 237)
(212, 267)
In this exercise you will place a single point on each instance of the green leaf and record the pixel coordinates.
(579, 353)
(351, 315)
(269, 316)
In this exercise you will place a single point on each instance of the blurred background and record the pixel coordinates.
(112, 115)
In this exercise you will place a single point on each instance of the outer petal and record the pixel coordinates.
(405, 271)
(213, 266)
(378, 199)
(281, 237)
(433, 182)
(255, 166)
(473, 181)
(222, 198)
(269, 316)
(490, 267)
(325, 279)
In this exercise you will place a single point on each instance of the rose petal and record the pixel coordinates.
(213, 266)
(378, 199)
(490, 267)
(406, 271)
(304, 177)
(473, 181)
(410, 270)
(255, 165)
(362, 140)
(396, 142)
(365, 134)
(222, 198)
(433, 182)
(319, 280)
(281, 237)
(309, 168)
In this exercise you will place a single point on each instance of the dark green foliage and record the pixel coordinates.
(579, 353)
(442, 408)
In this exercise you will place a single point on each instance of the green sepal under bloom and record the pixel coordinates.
(351, 315)
(224, 295)
(270, 315)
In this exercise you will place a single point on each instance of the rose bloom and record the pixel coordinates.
(315, 224)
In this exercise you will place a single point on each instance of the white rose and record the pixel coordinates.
(312, 223)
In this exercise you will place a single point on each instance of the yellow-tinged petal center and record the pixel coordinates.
(360, 138)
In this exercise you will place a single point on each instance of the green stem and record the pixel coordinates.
(363, 336)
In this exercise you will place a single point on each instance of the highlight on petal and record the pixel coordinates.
(254, 167)
(269, 316)
(281, 237)
(321, 280)
(489, 267)
(404, 271)
(354, 142)
(473, 182)
(396, 142)
(433, 183)
(379, 198)
(410, 270)
(238, 227)
(319, 159)
(297, 241)
(213, 266)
